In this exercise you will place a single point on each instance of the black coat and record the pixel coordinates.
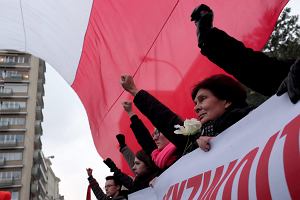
(100, 195)
(164, 120)
(252, 68)
(139, 183)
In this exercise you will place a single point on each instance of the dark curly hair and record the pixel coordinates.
(224, 88)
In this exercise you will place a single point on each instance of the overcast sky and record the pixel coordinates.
(67, 135)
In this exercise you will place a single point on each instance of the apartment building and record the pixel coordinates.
(23, 167)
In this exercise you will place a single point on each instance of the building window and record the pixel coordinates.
(15, 195)
(12, 105)
(10, 175)
(14, 59)
(5, 91)
(8, 139)
(11, 156)
(12, 74)
(15, 87)
(12, 121)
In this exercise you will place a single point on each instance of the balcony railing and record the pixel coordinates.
(2, 161)
(14, 78)
(4, 125)
(10, 143)
(12, 108)
(34, 187)
(6, 92)
(9, 182)
(6, 182)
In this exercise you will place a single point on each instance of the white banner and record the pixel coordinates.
(256, 158)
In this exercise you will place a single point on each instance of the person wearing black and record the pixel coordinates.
(112, 188)
(162, 152)
(250, 67)
(126, 151)
(220, 101)
(144, 168)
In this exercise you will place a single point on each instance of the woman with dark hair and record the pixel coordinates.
(220, 101)
(144, 169)
(162, 152)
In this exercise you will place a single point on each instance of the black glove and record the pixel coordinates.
(203, 17)
(291, 84)
(121, 139)
(110, 163)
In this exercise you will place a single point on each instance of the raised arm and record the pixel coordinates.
(140, 131)
(125, 180)
(98, 192)
(160, 115)
(126, 151)
(250, 67)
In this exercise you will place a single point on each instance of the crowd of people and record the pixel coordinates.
(220, 101)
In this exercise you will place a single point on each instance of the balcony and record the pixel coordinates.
(40, 86)
(2, 161)
(7, 126)
(39, 98)
(15, 78)
(12, 109)
(39, 113)
(37, 155)
(15, 60)
(35, 171)
(6, 182)
(6, 92)
(38, 128)
(8, 143)
(34, 187)
(37, 142)
(4, 125)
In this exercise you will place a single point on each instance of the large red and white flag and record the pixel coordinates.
(91, 43)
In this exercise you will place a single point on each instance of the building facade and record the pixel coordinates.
(23, 168)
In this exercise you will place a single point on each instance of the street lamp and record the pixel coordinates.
(50, 157)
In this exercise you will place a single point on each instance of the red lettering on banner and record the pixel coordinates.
(291, 157)
(167, 196)
(244, 177)
(205, 183)
(262, 175)
(216, 179)
(178, 194)
(194, 182)
(228, 171)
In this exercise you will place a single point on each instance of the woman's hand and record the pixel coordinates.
(127, 105)
(152, 182)
(128, 84)
(203, 142)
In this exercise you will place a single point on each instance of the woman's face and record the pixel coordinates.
(208, 107)
(139, 167)
(160, 140)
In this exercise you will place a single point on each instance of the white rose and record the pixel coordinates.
(190, 127)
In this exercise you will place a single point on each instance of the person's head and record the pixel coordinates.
(143, 164)
(214, 95)
(160, 140)
(112, 186)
